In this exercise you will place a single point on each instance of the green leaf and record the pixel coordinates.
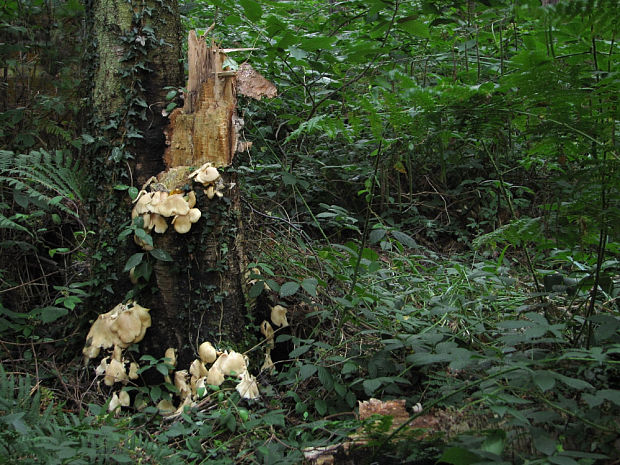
(316, 43)
(494, 442)
(133, 192)
(612, 395)
(561, 460)
(288, 289)
(376, 235)
(321, 406)
(256, 289)
(416, 27)
(325, 378)
(134, 260)
(458, 456)
(172, 94)
(161, 254)
(306, 371)
(300, 351)
(252, 9)
(404, 239)
(371, 385)
(544, 380)
(309, 285)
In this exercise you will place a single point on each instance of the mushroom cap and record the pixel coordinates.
(191, 199)
(141, 205)
(182, 224)
(210, 192)
(157, 198)
(268, 364)
(278, 316)
(124, 398)
(234, 362)
(211, 174)
(267, 330)
(158, 223)
(114, 403)
(115, 373)
(171, 355)
(173, 205)
(215, 377)
(133, 370)
(207, 352)
(197, 369)
(194, 214)
(122, 326)
(180, 382)
(247, 388)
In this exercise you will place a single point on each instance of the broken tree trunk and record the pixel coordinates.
(202, 288)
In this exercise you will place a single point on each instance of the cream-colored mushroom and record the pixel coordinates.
(114, 403)
(159, 223)
(133, 370)
(102, 367)
(124, 399)
(267, 330)
(183, 223)
(232, 363)
(197, 369)
(215, 377)
(191, 199)
(174, 204)
(268, 364)
(115, 373)
(122, 326)
(207, 352)
(180, 382)
(201, 387)
(278, 316)
(247, 387)
(171, 356)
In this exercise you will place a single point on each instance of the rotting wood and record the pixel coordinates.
(207, 128)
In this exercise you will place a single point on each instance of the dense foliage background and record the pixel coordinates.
(434, 194)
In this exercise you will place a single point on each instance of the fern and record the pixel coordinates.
(41, 178)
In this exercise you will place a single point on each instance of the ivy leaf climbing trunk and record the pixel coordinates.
(187, 262)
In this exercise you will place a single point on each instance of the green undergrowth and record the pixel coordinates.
(509, 375)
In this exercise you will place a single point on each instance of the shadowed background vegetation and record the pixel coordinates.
(434, 195)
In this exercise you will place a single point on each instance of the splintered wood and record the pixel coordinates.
(207, 128)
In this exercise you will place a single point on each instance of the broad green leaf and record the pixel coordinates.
(458, 456)
(376, 235)
(371, 385)
(309, 285)
(289, 288)
(416, 27)
(300, 351)
(325, 378)
(134, 260)
(321, 406)
(252, 9)
(404, 239)
(306, 371)
(544, 380)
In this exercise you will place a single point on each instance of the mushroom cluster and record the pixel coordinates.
(122, 326)
(154, 207)
(210, 178)
(278, 318)
(192, 384)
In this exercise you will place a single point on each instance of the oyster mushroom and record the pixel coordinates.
(215, 377)
(122, 326)
(183, 223)
(278, 316)
(180, 382)
(207, 352)
(232, 363)
(173, 205)
(267, 330)
(247, 387)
